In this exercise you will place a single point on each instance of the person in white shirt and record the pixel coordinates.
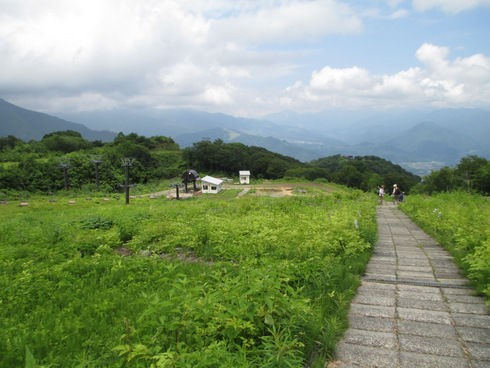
(381, 194)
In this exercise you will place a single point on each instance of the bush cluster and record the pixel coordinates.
(248, 282)
(472, 174)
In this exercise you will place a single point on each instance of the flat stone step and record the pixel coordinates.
(459, 284)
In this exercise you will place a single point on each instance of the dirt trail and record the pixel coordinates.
(263, 189)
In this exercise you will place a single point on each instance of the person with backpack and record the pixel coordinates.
(396, 194)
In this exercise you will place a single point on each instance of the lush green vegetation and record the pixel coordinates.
(63, 160)
(361, 172)
(229, 158)
(461, 222)
(210, 281)
(472, 174)
(365, 172)
(37, 166)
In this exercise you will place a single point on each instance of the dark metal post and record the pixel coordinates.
(126, 163)
(126, 183)
(97, 162)
(65, 167)
(177, 187)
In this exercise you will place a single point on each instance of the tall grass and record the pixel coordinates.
(461, 222)
(206, 282)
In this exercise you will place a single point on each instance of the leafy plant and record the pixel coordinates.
(214, 281)
(460, 221)
(97, 222)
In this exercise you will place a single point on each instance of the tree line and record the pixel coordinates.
(362, 172)
(472, 174)
(38, 166)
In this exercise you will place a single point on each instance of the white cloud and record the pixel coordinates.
(179, 79)
(154, 50)
(398, 14)
(449, 6)
(86, 101)
(395, 3)
(215, 54)
(432, 54)
(439, 82)
(105, 47)
(73, 44)
(346, 80)
(472, 72)
(400, 85)
(288, 21)
(217, 95)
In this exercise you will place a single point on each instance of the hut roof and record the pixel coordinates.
(211, 180)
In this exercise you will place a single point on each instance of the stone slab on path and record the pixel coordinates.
(413, 308)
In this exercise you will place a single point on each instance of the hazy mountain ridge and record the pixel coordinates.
(429, 139)
(229, 136)
(27, 124)
(413, 139)
(418, 140)
(177, 122)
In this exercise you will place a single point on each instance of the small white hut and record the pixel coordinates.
(244, 177)
(211, 185)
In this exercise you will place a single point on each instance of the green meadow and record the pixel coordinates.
(215, 280)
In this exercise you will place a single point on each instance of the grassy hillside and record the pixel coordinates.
(251, 281)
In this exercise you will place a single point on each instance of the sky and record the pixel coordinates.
(244, 57)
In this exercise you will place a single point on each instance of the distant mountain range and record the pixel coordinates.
(417, 140)
(31, 125)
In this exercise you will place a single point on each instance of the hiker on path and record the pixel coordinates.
(381, 194)
(396, 194)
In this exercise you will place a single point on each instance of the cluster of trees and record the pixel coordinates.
(38, 166)
(362, 172)
(472, 174)
(41, 166)
(229, 158)
(366, 172)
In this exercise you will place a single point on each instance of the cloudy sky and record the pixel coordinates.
(244, 57)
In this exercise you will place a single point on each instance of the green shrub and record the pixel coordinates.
(214, 281)
(461, 222)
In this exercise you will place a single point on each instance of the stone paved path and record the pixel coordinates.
(413, 308)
